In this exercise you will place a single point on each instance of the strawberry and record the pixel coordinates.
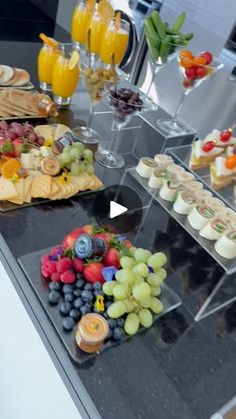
(78, 264)
(127, 243)
(17, 146)
(68, 277)
(87, 229)
(105, 236)
(112, 258)
(70, 239)
(92, 272)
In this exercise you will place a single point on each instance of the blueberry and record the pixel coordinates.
(54, 297)
(105, 315)
(120, 322)
(69, 296)
(78, 303)
(68, 323)
(109, 335)
(98, 292)
(107, 304)
(75, 314)
(89, 304)
(118, 333)
(88, 286)
(79, 283)
(80, 276)
(87, 295)
(77, 292)
(65, 308)
(84, 310)
(97, 286)
(67, 288)
(56, 286)
(112, 323)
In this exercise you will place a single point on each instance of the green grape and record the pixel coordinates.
(141, 255)
(75, 169)
(89, 169)
(127, 262)
(162, 273)
(141, 269)
(79, 147)
(131, 324)
(108, 287)
(154, 279)
(61, 161)
(146, 302)
(157, 260)
(82, 167)
(132, 250)
(66, 157)
(66, 149)
(121, 291)
(74, 153)
(141, 291)
(129, 304)
(156, 306)
(116, 310)
(88, 155)
(155, 291)
(145, 317)
(125, 276)
(138, 278)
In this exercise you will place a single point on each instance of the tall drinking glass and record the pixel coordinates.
(115, 42)
(80, 22)
(46, 60)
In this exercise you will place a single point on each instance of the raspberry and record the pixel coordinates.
(63, 265)
(50, 266)
(44, 258)
(55, 277)
(68, 277)
(78, 265)
(45, 272)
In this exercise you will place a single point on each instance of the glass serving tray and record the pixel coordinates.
(228, 265)
(30, 264)
(182, 155)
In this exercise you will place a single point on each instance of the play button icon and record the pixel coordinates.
(116, 209)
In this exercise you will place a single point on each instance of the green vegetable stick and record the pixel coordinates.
(159, 25)
(179, 22)
(165, 48)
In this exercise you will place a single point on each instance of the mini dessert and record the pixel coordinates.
(157, 178)
(185, 202)
(215, 203)
(200, 216)
(184, 177)
(194, 186)
(225, 246)
(222, 171)
(230, 216)
(203, 153)
(225, 138)
(214, 229)
(204, 194)
(173, 169)
(163, 160)
(91, 332)
(146, 166)
(169, 190)
(50, 166)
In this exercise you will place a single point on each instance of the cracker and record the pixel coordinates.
(19, 185)
(27, 189)
(41, 186)
(7, 189)
(97, 183)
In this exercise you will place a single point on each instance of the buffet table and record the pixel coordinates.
(176, 369)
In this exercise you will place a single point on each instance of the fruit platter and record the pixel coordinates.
(45, 162)
(98, 289)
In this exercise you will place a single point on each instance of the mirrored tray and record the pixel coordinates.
(30, 264)
(228, 265)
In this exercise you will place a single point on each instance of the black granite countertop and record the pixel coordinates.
(179, 368)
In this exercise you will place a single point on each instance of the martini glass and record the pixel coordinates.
(162, 51)
(97, 76)
(193, 72)
(126, 100)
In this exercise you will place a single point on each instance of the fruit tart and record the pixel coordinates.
(222, 171)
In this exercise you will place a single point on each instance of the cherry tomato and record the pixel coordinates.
(185, 53)
(200, 72)
(225, 136)
(187, 83)
(230, 162)
(190, 73)
(200, 61)
(208, 56)
(208, 146)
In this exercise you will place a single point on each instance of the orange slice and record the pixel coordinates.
(105, 10)
(74, 60)
(48, 41)
(10, 168)
(90, 5)
(117, 21)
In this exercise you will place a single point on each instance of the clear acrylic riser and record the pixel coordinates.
(182, 154)
(223, 292)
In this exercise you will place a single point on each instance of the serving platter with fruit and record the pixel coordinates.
(110, 287)
(36, 166)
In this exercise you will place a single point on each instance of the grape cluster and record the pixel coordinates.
(15, 130)
(125, 102)
(136, 287)
(77, 159)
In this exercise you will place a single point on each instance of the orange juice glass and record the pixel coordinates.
(46, 61)
(64, 78)
(98, 27)
(115, 41)
(81, 19)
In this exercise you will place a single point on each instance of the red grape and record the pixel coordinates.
(40, 141)
(3, 125)
(33, 136)
(18, 130)
(11, 134)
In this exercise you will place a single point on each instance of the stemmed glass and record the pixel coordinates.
(193, 70)
(126, 101)
(80, 22)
